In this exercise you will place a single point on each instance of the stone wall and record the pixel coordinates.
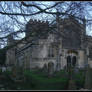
(90, 63)
(37, 55)
(36, 26)
(40, 62)
(81, 59)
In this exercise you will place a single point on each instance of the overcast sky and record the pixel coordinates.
(13, 26)
(40, 16)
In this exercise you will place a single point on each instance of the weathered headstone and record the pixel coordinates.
(3, 69)
(50, 68)
(58, 67)
(45, 68)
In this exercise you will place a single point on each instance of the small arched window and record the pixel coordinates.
(74, 61)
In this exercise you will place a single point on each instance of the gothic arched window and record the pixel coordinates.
(73, 60)
(51, 51)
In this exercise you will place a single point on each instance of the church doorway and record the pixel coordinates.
(71, 61)
(50, 68)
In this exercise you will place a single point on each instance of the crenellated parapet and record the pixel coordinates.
(36, 25)
(38, 22)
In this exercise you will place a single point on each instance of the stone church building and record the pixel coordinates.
(63, 46)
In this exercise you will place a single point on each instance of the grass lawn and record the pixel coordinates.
(39, 80)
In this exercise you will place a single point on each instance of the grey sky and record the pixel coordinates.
(12, 25)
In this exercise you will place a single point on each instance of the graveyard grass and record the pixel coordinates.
(39, 80)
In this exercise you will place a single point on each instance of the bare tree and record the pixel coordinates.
(14, 15)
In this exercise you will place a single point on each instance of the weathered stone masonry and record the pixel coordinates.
(74, 48)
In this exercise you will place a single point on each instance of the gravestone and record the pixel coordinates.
(58, 67)
(3, 69)
(50, 68)
(45, 68)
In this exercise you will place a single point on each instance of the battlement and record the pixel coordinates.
(36, 25)
(38, 22)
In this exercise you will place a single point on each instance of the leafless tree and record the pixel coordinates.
(15, 14)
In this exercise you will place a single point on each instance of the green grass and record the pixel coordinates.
(59, 81)
(40, 82)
